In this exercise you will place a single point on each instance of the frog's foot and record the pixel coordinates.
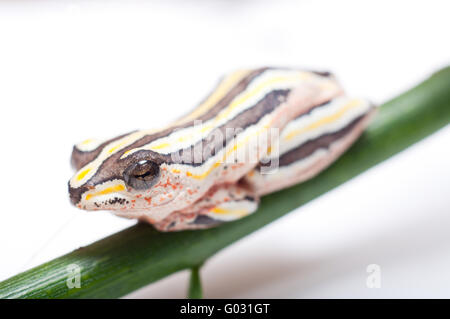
(223, 203)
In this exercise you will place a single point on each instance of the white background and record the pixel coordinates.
(73, 70)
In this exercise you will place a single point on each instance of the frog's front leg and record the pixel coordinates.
(223, 203)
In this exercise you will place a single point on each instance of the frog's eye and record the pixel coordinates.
(141, 175)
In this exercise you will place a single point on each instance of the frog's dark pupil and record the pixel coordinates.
(148, 173)
(141, 175)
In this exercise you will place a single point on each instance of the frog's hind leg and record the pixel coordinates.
(310, 143)
(221, 204)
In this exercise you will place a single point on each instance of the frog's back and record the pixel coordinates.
(152, 174)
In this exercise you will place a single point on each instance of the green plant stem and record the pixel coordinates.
(139, 255)
(195, 285)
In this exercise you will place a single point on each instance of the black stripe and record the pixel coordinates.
(243, 120)
(322, 142)
(81, 158)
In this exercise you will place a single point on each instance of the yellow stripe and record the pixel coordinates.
(224, 87)
(325, 120)
(218, 210)
(258, 89)
(82, 174)
(88, 141)
(109, 190)
(232, 212)
(157, 147)
(203, 175)
(113, 149)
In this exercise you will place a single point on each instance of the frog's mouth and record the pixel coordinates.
(152, 203)
(113, 196)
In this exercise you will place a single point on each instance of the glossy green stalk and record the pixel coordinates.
(135, 257)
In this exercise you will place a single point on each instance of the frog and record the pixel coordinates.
(258, 131)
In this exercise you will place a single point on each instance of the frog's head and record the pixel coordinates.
(117, 175)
